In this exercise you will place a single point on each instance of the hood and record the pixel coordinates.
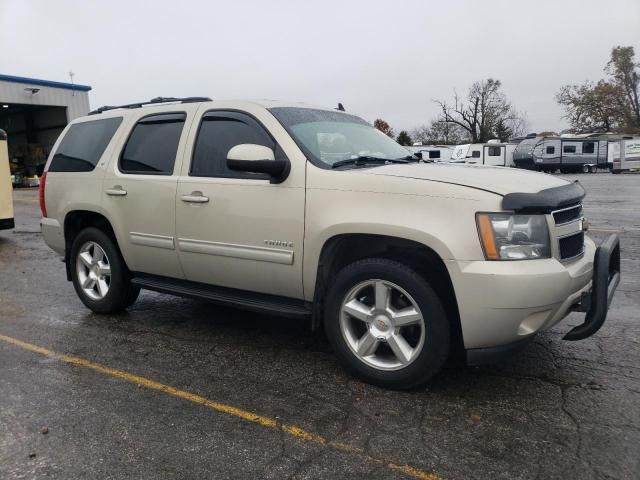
(500, 180)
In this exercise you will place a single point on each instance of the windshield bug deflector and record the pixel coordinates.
(330, 137)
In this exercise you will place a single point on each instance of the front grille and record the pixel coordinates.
(567, 215)
(571, 246)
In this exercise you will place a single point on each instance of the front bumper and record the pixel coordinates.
(502, 303)
(606, 277)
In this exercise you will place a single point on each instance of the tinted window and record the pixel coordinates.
(551, 150)
(153, 144)
(218, 133)
(494, 152)
(434, 154)
(83, 145)
(569, 148)
(588, 147)
(475, 154)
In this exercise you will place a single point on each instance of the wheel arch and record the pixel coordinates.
(343, 249)
(77, 220)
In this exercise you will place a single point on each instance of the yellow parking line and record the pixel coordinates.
(291, 430)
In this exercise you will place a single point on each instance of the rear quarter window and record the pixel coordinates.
(83, 145)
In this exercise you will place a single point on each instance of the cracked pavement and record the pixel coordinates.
(556, 410)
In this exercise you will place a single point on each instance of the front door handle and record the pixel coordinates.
(116, 191)
(195, 197)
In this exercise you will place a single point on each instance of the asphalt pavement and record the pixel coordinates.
(177, 388)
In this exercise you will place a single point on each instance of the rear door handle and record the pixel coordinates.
(195, 197)
(116, 191)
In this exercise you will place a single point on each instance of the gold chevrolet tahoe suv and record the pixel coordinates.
(312, 213)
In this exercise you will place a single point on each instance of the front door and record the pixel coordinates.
(237, 229)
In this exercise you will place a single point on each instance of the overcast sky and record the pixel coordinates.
(384, 59)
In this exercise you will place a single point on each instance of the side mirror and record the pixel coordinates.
(252, 158)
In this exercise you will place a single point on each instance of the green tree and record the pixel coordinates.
(502, 131)
(404, 138)
(611, 104)
(623, 70)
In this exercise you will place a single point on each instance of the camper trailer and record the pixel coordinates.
(435, 153)
(624, 154)
(568, 154)
(491, 153)
(459, 153)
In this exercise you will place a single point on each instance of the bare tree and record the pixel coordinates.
(479, 112)
(519, 124)
(421, 134)
(439, 132)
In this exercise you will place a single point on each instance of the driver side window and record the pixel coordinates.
(217, 134)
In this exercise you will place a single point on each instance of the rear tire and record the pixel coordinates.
(400, 346)
(99, 274)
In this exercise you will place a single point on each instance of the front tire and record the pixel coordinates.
(99, 274)
(386, 324)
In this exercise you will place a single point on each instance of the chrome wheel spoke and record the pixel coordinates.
(98, 254)
(86, 259)
(400, 348)
(382, 295)
(103, 288)
(104, 269)
(357, 309)
(367, 345)
(88, 283)
(406, 316)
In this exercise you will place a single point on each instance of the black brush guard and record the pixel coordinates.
(606, 277)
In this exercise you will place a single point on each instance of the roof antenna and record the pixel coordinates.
(340, 107)
(71, 75)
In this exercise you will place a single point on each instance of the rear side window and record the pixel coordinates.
(434, 154)
(219, 132)
(475, 154)
(569, 149)
(83, 145)
(153, 144)
(551, 150)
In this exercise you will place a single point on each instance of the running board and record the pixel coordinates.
(256, 302)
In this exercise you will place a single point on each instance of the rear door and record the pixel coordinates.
(139, 190)
(237, 229)
(495, 155)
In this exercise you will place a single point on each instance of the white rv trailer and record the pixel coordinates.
(491, 153)
(435, 153)
(624, 154)
(459, 153)
(569, 154)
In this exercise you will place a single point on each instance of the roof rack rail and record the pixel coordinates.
(153, 101)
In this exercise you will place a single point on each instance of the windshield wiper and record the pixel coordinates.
(366, 160)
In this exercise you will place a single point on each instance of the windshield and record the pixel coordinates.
(331, 137)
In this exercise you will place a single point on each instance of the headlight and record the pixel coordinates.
(506, 236)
